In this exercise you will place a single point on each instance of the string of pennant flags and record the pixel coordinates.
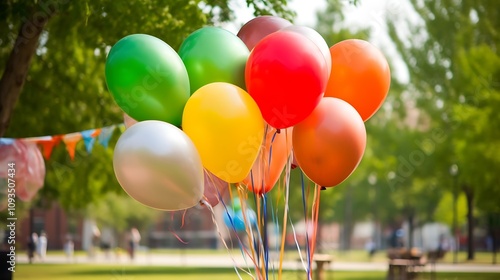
(90, 137)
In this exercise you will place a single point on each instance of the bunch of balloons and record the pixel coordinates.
(231, 108)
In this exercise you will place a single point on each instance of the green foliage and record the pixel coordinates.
(76, 183)
(454, 69)
(444, 210)
(120, 212)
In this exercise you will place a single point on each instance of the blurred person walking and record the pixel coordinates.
(41, 247)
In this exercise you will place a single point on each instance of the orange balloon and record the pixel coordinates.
(265, 173)
(330, 143)
(360, 75)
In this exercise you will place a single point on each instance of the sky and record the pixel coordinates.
(368, 13)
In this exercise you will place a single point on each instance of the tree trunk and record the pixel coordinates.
(495, 245)
(319, 235)
(18, 64)
(494, 230)
(469, 193)
(411, 218)
(348, 222)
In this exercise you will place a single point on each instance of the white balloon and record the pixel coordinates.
(314, 36)
(158, 165)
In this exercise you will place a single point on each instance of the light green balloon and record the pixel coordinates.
(147, 79)
(212, 54)
(236, 204)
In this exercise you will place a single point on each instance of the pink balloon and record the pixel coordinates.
(24, 166)
(128, 120)
(215, 188)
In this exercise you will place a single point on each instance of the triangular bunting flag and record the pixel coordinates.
(71, 140)
(96, 133)
(89, 138)
(105, 135)
(47, 143)
(6, 141)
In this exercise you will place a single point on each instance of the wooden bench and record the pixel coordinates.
(405, 264)
(322, 261)
(405, 269)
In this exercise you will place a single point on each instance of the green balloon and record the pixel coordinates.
(213, 54)
(236, 204)
(147, 79)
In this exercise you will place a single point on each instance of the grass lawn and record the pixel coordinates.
(118, 272)
(381, 256)
(348, 256)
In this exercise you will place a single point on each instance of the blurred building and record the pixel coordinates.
(56, 225)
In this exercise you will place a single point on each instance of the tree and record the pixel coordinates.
(55, 51)
(120, 212)
(454, 74)
(394, 135)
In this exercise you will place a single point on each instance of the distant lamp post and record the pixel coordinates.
(454, 174)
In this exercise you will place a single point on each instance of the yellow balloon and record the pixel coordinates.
(227, 128)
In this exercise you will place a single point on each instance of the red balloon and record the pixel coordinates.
(360, 75)
(330, 143)
(286, 74)
(256, 29)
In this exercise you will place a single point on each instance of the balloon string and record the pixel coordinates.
(271, 149)
(178, 237)
(265, 240)
(183, 218)
(274, 218)
(257, 248)
(297, 244)
(235, 266)
(285, 215)
(315, 216)
(171, 230)
(304, 205)
(260, 219)
(243, 250)
(233, 227)
(248, 224)
(248, 228)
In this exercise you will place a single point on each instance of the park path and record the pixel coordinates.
(191, 260)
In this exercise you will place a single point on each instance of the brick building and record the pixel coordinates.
(56, 225)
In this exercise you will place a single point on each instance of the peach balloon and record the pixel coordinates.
(271, 160)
